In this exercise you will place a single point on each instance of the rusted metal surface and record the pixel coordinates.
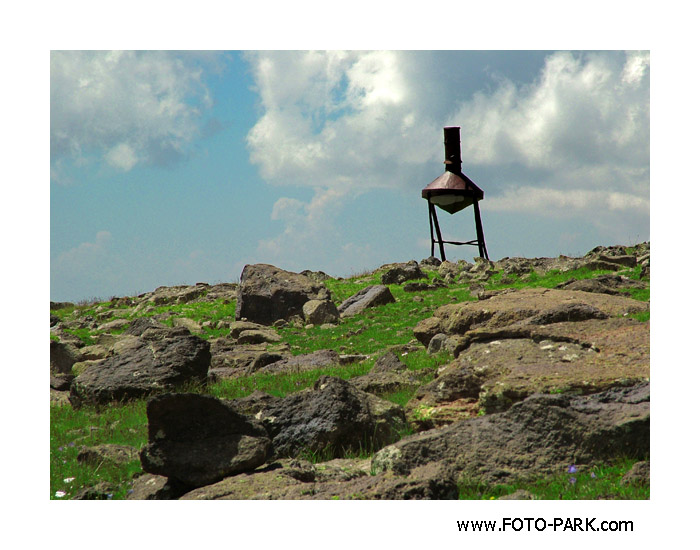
(453, 182)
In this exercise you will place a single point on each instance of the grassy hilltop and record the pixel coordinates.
(377, 330)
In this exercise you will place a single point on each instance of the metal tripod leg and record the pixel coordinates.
(432, 239)
(480, 232)
(431, 208)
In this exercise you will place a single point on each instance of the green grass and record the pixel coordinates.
(594, 483)
(644, 316)
(641, 294)
(548, 280)
(87, 336)
(281, 385)
(71, 429)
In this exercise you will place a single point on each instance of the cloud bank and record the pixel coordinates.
(125, 108)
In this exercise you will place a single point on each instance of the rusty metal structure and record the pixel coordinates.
(452, 192)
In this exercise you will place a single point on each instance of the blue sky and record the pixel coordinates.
(179, 167)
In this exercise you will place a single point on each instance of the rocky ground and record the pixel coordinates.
(539, 378)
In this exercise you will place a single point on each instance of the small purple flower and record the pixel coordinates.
(593, 476)
(60, 449)
(573, 469)
(71, 444)
(572, 480)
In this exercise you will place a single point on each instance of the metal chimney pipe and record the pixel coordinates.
(453, 151)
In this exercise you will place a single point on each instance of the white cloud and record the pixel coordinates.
(87, 252)
(565, 202)
(336, 119)
(122, 156)
(586, 112)
(636, 68)
(126, 106)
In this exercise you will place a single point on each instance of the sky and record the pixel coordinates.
(177, 167)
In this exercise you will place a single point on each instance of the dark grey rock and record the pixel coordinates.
(101, 491)
(267, 293)
(150, 327)
(401, 273)
(436, 343)
(389, 362)
(180, 294)
(382, 383)
(610, 263)
(332, 417)
(63, 356)
(318, 276)
(152, 487)
(198, 439)
(230, 359)
(431, 261)
(61, 382)
(254, 403)
(420, 287)
(371, 296)
(258, 337)
(541, 435)
(163, 362)
(604, 284)
(319, 312)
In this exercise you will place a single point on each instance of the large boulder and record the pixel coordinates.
(159, 360)
(519, 343)
(541, 435)
(199, 440)
(332, 417)
(529, 306)
(267, 293)
(371, 296)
